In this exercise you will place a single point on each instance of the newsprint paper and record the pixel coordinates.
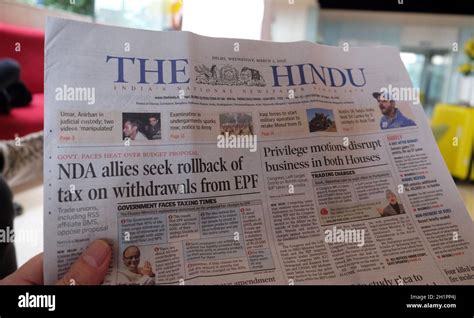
(227, 161)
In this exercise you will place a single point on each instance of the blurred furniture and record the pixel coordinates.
(453, 128)
(25, 45)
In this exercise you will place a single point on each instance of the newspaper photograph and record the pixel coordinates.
(240, 162)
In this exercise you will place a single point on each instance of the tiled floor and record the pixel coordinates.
(31, 221)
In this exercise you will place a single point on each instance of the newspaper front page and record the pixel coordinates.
(239, 162)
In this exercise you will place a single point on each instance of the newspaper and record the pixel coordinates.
(239, 162)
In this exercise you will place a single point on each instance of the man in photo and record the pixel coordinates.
(392, 116)
(130, 130)
(133, 274)
(153, 129)
(393, 207)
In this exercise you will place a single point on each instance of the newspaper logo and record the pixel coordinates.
(228, 75)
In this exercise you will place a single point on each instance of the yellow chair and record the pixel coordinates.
(453, 128)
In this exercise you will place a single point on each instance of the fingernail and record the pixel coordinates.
(96, 253)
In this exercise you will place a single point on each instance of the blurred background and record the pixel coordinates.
(431, 37)
(435, 38)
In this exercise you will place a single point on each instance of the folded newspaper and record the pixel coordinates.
(239, 162)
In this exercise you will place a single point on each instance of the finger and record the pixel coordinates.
(31, 273)
(91, 267)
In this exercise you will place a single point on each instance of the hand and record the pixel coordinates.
(89, 269)
(380, 210)
(146, 270)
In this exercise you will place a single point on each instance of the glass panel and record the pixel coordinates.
(414, 64)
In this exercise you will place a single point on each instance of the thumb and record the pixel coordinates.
(91, 267)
